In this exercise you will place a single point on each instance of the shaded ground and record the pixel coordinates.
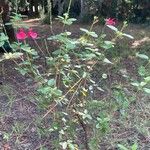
(18, 111)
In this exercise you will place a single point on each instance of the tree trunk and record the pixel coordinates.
(60, 8)
(4, 5)
(36, 7)
(84, 10)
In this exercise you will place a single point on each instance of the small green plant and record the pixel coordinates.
(144, 73)
(133, 147)
(7, 136)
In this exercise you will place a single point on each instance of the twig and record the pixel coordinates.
(49, 111)
(73, 95)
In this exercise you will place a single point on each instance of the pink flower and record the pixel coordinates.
(21, 35)
(32, 34)
(111, 21)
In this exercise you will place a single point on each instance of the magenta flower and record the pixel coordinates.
(32, 34)
(111, 21)
(21, 35)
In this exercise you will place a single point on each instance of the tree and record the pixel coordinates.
(5, 10)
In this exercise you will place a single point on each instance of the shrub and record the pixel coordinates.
(65, 90)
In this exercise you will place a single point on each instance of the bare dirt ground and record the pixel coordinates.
(18, 111)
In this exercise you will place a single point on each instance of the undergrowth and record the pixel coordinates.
(73, 92)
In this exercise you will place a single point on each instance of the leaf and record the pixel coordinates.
(121, 147)
(1, 43)
(1, 59)
(93, 34)
(71, 146)
(84, 75)
(57, 92)
(135, 84)
(127, 35)
(112, 27)
(70, 21)
(107, 61)
(100, 89)
(8, 24)
(51, 82)
(104, 76)
(142, 56)
(64, 145)
(12, 55)
(90, 56)
(3, 37)
(107, 44)
(22, 71)
(143, 84)
(142, 71)
(28, 49)
(146, 90)
(134, 147)
(147, 79)
(84, 30)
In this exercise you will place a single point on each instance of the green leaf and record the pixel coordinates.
(135, 84)
(1, 43)
(100, 89)
(57, 92)
(127, 35)
(12, 55)
(107, 61)
(3, 37)
(142, 71)
(146, 90)
(142, 56)
(51, 82)
(107, 44)
(64, 145)
(28, 49)
(143, 84)
(134, 147)
(84, 75)
(1, 59)
(121, 147)
(147, 79)
(71, 146)
(70, 21)
(112, 27)
(90, 56)
(84, 30)
(44, 90)
(66, 20)
(93, 34)
(22, 71)
(8, 24)
(104, 76)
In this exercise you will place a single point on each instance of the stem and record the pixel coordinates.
(73, 95)
(72, 88)
(49, 111)
(84, 127)
(46, 45)
(69, 6)
(50, 15)
(39, 47)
